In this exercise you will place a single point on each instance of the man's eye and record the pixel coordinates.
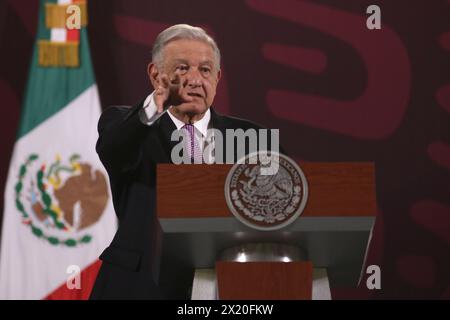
(206, 70)
(182, 68)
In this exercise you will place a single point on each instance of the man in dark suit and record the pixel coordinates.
(184, 72)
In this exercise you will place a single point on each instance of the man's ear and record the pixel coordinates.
(152, 72)
(219, 75)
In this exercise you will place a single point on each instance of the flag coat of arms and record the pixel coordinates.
(58, 214)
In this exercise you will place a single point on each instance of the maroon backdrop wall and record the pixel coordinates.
(337, 91)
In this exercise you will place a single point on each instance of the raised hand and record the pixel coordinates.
(170, 92)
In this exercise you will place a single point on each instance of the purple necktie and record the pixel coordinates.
(192, 144)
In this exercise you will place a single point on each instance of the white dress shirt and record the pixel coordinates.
(149, 114)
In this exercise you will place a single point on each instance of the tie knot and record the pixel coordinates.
(189, 128)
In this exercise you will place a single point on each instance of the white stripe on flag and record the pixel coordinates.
(59, 35)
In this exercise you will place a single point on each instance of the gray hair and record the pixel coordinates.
(182, 31)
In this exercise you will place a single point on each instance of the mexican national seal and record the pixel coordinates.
(265, 198)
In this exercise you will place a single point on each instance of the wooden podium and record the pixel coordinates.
(196, 224)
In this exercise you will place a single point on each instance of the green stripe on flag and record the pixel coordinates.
(51, 89)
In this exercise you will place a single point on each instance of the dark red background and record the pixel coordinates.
(336, 91)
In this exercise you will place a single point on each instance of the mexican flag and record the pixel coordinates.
(58, 212)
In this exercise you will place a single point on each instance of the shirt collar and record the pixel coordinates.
(201, 125)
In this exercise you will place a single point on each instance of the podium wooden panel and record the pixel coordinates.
(264, 280)
(335, 189)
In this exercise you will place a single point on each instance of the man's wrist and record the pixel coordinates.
(149, 112)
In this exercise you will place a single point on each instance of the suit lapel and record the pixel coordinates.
(217, 121)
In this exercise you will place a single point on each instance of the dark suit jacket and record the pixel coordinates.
(130, 150)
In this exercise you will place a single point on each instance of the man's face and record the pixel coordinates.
(195, 63)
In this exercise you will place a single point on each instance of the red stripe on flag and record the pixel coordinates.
(73, 35)
(88, 276)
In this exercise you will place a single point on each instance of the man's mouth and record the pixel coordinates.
(195, 94)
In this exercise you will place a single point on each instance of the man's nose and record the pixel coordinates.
(194, 78)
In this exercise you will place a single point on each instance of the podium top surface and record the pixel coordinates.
(344, 189)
